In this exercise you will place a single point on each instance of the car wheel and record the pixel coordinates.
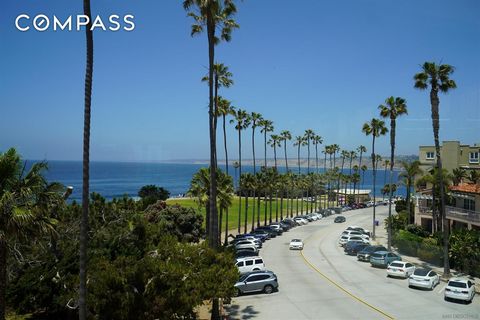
(268, 289)
(237, 293)
(432, 285)
(256, 269)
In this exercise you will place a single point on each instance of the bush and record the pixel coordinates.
(406, 242)
(465, 251)
(398, 221)
(417, 230)
(430, 251)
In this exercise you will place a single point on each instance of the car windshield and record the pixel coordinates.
(243, 277)
(296, 240)
(457, 284)
(396, 264)
(421, 272)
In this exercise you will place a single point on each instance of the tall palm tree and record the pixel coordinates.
(325, 153)
(375, 128)
(267, 126)
(299, 142)
(344, 154)
(335, 149)
(274, 142)
(309, 134)
(256, 119)
(213, 15)
(386, 164)
(407, 176)
(363, 168)
(393, 108)
(241, 121)
(437, 77)
(247, 184)
(285, 135)
(361, 149)
(82, 300)
(316, 141)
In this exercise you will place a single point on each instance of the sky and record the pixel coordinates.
(306, 64)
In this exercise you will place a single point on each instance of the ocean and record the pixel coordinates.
(115, 179)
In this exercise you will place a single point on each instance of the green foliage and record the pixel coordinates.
(399, 221)
(150, 194)
(465, 251)
(430, 251)
(417, 230)
(401, 205)
(406, 242)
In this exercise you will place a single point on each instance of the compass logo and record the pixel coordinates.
(42, 22)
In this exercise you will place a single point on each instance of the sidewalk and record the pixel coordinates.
(382, 239)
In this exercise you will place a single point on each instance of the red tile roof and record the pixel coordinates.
(466, 188)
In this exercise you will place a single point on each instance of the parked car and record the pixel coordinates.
(383, 258)
(423, 278)
(290, 222)
(296, 244)
(246, 246)
(300, 221)
(460, 289)
(276, 227)
(369, 204)
(245, 253)
(339, 219)
(247, 235)
(249, 264)
(358, 229)
(364, 255)
(355, 233)
(270, 232)
(345, 238)
(264, 234)
(400, 269)
(353, 247)
(276, 230)
(257, 243)
(265, 281)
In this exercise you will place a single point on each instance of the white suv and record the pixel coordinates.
(461, 289)
(355, 233)
(249, 264)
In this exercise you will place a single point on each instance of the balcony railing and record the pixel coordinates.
(463, 214)
(454, 213)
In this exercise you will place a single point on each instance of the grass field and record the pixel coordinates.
(233, 210)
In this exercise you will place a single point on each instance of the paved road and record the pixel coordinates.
(323, 283)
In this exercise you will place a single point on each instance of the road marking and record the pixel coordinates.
(441, 290)
(344, 290)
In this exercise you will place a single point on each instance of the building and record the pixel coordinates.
(464, 210)
(454, 155)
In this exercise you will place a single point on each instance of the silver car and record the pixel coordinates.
(257, 281)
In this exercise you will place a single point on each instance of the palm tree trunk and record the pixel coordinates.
(298, 158)
(275, 155)
(276, 206)
(220, 220)
(3, 278)
(374, 182)
(316, 157)
(253, 209)
(392, 157)
(253, 149)
(226, 227)
(258, 210)
(82, 301)
(246, 212)
(436, 127)
(226, 171)
(213, 235)
(270, 202)
(308, 156)
(281, 206)
(265, 148)
(265, 207)
(239, 179)
(285, 150)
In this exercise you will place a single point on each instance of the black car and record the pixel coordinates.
(339, 219)
(264, 234)
(364, 255)
(245, 253)
(352, 247)
(290, 222)
(268, 230)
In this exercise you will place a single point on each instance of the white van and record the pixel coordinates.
(249, 264)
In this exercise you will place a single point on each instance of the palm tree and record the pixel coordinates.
(267, 126)
(351, 156)
(24, 202)
(438, 78)
(393, 108)
(82, 300)
(361, 149)
(363, 168)
(458, 175)
(256, 119)
(285, 135)
(242, 121)
(316, 141)
(376, 128)
(274, 142)
(213, 15)
(407, 176)
(344, 154)
(309, 134)
(247, 184)
(335, 149)
(299, 141)
(474, 176)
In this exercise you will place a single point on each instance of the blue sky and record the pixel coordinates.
(324, 65)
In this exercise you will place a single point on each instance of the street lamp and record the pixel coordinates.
(68, 192)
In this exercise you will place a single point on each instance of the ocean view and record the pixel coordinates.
(115, 179)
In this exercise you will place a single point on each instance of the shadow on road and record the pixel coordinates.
(234, 312)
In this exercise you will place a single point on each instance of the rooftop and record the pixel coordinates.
(466, 188)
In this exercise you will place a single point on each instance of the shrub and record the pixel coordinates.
(465, 251)
(406, 242)
(430, 251)
(417, 230)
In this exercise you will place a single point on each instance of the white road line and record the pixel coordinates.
(441, 290)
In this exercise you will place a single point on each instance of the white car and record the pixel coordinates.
(355, 233)
(296, 244)
(400, 269)
(423, 278)
(300, 221)
(249, 264)
(246, 246)
(344, 239)
(460, 289)
(256, 243)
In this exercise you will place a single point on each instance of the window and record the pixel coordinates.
(258, 261)
(255, 278)
(430, 155)
(249, 262)
(240, 264)
(469, 204)
(473, 158)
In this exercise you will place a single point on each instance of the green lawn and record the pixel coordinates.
(233, 210)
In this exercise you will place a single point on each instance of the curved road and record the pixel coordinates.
(323, 283)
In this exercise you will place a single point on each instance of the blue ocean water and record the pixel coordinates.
(115, 179)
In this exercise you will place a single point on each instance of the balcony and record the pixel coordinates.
(464, 215)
